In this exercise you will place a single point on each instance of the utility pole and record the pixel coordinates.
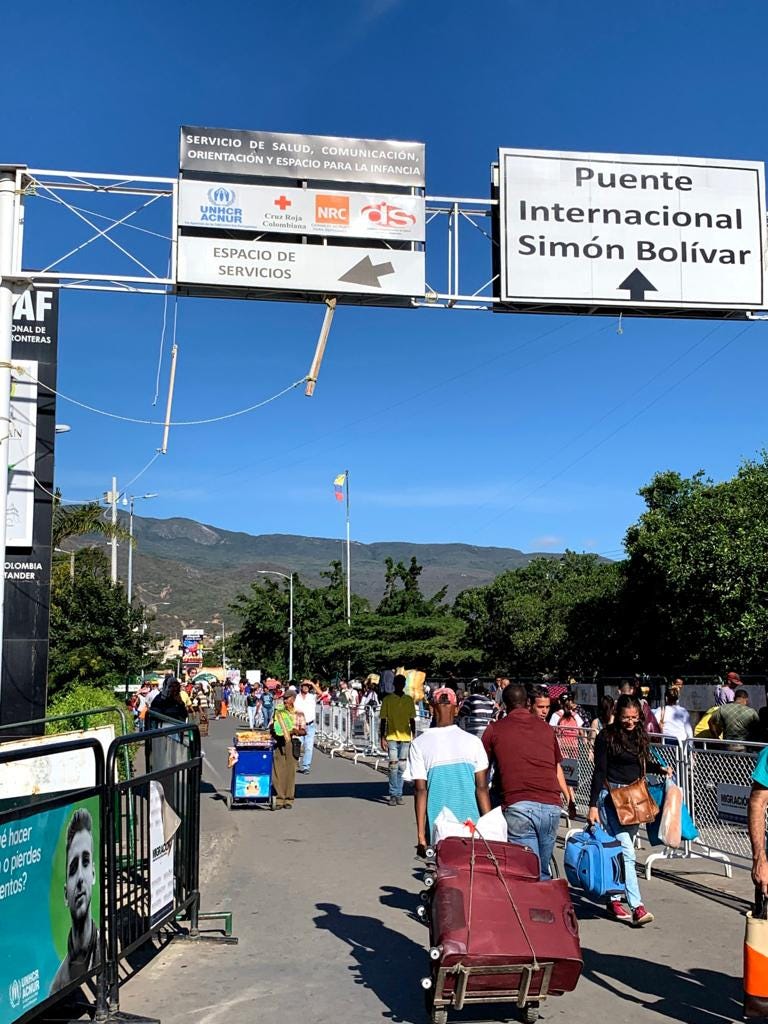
(111, 499)
(223, 651)
(7, 240)
(130, 550)
(131, 502)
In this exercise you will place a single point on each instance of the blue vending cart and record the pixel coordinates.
(252, 771)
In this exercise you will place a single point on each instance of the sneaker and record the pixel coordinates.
(618, 911)
(400, 800)
(393, 801)
(641, 916)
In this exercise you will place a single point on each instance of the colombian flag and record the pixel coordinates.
(338, 486)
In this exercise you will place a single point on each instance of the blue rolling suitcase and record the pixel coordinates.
(593, 862)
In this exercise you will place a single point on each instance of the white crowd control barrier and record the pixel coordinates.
(236, 705)
(341, 729)
(714, 775)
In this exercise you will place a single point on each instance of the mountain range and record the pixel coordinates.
(188, 573)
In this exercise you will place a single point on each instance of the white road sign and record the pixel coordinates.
(603, 229)
(209, 204)
(282, 266)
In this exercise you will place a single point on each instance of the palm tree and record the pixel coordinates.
(82, 520)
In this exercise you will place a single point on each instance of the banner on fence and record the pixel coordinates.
(163, 825)
(52, 773)
(50, 885)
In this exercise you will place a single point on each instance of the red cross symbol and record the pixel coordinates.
(283, 202)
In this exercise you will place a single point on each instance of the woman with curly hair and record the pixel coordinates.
(622, 756)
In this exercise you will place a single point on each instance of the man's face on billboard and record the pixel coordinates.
(81, 875)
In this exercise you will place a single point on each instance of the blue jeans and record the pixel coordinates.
(308, 747)
(626, 836)
(534, 825)
(398, 758)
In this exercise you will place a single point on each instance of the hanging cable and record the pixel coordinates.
(159, 423)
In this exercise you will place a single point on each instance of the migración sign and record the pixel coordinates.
(640, 233)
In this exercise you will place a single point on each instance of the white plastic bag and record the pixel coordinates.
(491, 826)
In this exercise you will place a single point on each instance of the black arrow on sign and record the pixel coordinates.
(637, 284)
(366, 273)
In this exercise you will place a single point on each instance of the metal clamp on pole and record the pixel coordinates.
(314, 369)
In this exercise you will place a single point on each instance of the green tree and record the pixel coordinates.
(697, 571)
(82, 521)
(536, 619)
(96, 637)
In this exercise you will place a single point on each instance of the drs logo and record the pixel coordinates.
(332, 210)
(385, 215)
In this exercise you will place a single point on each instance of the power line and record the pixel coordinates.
(620, 427)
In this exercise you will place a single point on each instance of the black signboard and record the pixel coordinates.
(302, 157)
(28, 570)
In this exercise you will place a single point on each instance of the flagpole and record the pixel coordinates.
(349, 576)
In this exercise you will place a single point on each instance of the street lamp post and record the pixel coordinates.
(285, 576)
(130, 502)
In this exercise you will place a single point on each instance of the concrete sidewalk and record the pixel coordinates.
(324, 897)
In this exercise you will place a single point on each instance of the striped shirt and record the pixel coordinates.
(447, 758)
(477, 711)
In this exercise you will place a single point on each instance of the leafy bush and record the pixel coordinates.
(83, 698)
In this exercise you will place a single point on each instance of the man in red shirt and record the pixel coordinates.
(527, 758)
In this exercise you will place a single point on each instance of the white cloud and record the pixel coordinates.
(547, 541)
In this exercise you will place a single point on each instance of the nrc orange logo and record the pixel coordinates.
(332, 209)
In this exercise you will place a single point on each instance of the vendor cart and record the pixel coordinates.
(250, 758)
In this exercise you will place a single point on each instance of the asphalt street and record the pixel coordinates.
(324, 898)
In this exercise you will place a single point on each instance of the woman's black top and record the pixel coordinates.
(169, 707)
(617, 768)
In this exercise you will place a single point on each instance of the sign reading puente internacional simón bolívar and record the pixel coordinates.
(646, 234)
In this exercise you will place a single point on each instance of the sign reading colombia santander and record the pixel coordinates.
(307, 157)
(604, 229)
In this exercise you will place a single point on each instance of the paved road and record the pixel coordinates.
(324, 895)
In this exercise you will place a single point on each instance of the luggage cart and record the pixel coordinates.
(251, 781)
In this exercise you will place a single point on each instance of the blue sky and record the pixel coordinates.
(530, 432)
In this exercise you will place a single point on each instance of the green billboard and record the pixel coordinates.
(50, 900)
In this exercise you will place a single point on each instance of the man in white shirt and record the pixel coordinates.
(306, 703)
(673, 719)
(448, 768)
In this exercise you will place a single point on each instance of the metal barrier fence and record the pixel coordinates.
(354, 730)
(141, 861)
(152, 876)
(237, 706)
(714, 775)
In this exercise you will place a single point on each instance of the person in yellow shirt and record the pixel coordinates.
(397, 729)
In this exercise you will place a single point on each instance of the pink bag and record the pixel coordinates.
(671, 816)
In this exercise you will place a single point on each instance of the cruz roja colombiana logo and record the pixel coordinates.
(221, 207)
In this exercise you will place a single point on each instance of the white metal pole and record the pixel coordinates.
(169, 403)
(7, 237)
(349, 576)
(130, 553)
(223, 651)
(290, 628)
(113, 499)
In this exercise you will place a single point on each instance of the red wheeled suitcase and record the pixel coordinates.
(453, 855)
(497, 933)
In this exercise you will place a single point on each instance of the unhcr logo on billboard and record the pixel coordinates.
(221, 207)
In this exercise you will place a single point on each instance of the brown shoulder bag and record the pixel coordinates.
(634, 804)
